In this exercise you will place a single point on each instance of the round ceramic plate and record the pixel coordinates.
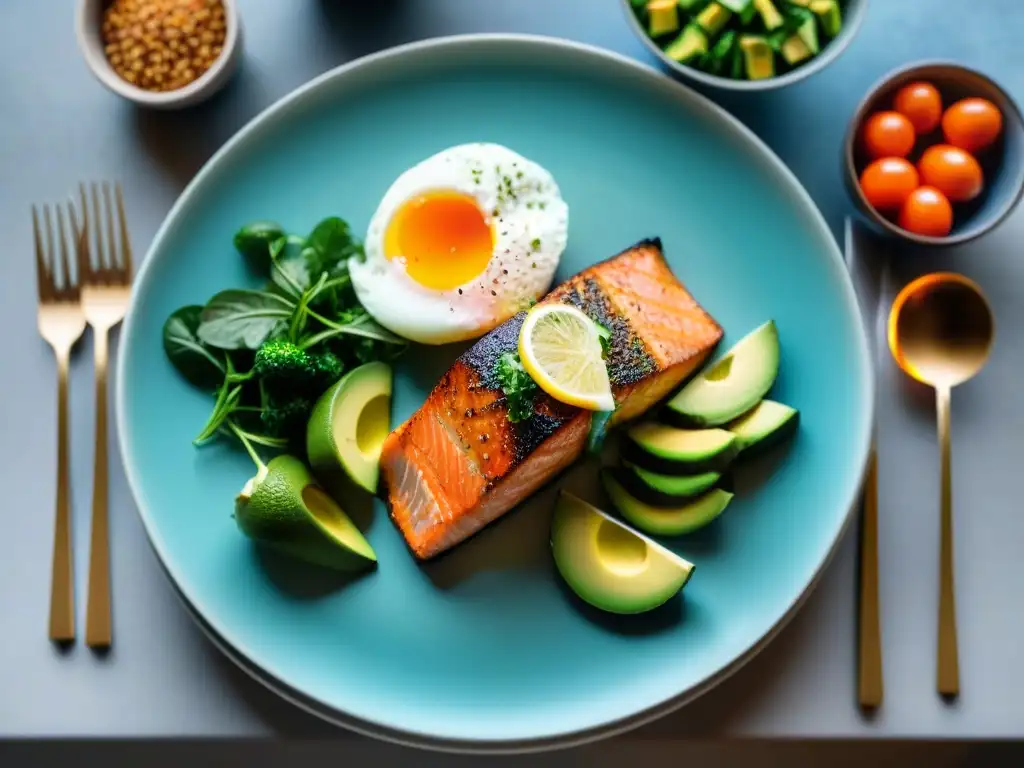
(485, 649)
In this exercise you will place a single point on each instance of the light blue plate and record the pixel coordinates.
(485, 649)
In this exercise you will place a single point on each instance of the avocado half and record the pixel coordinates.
(732, 385)
(284, 509)
(673, 451)
(348, 425)
(685, 517)
(766, 424)
(608, 564)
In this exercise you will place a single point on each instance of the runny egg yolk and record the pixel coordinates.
(444, 237)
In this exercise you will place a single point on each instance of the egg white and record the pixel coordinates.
(530, 225)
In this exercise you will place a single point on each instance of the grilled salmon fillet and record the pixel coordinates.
(458, 463)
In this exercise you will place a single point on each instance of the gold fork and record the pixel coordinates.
(105, 277)
(61, 323)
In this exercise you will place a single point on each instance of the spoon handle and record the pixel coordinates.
(948, 666)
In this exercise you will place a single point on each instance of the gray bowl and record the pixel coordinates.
(1002, 164)
(853, 16)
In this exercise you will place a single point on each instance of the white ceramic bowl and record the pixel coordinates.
(88, 19)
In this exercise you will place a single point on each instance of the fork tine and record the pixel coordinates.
(98, 229)
(82, 238)
(113, 260)
(51, 254)
(126, 247)
(69, 284)
(44, 281)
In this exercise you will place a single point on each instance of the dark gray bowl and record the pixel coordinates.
(1002, 164)
(853, 16)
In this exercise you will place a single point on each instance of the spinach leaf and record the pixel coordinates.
(243, 319)
(358, 323)
(330, 245)
(197, 362)
(517, 385)
(254, 240)
(288, 269)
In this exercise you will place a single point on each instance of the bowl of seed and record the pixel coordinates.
(165, 54)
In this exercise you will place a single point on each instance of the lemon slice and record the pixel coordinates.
(560, 348)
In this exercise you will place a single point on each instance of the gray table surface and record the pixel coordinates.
(58, 126)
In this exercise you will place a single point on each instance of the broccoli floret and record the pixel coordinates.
(327, 369)
(286, 418)
(282, 365)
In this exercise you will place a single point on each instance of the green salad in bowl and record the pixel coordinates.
(746, 44)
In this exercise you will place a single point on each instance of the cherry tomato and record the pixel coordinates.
(921, 104)
(953, 172)
(888, 134)
(888, 182)
(972, 124)
(927, 212)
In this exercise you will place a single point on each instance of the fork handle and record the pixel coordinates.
(869, 646)
(62, 587)
(97, 620)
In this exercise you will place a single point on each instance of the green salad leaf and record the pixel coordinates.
(242, 319)
(201, 364)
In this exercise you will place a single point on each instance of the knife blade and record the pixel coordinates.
(867, 272)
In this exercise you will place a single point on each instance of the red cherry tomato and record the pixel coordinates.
(921, 104)
(972, 124)
(952, 171)
(888, 134)
(888, 182)
(927, 212)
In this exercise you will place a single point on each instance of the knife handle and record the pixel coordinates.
(869, 668)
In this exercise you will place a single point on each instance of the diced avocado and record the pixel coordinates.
(348, 425)
(659, 489)
(758, 57)
(662, 17)
(284, 509)
(735, 383)
(666, 521)
(765, 425)
(690, 45)
(794, 50)
(713, 18)
(808, 32)
(608, 564)
(769, 14)
(665, 449)
(829, 15)
(744, 9)
(693, 6)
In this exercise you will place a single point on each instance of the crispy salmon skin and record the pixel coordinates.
(458, 463)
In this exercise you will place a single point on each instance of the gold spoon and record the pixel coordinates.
(940, 332)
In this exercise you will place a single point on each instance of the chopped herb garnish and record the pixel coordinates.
(517, 385)
(605, 337)
(535, 244)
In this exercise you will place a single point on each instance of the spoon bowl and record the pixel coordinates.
(940, 332)
(941, 329)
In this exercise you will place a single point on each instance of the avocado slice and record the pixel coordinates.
(713, 18)
(608, 564)
(829, 15)
(671, 451)
(794, 50)
(766, 424)
(758, 57)
(663, 490)
(808, 32)
(284, 509)
(690, 45)
(666, 521)
(733, 384)
(769, 14)
(348, 425)
(662, 17)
